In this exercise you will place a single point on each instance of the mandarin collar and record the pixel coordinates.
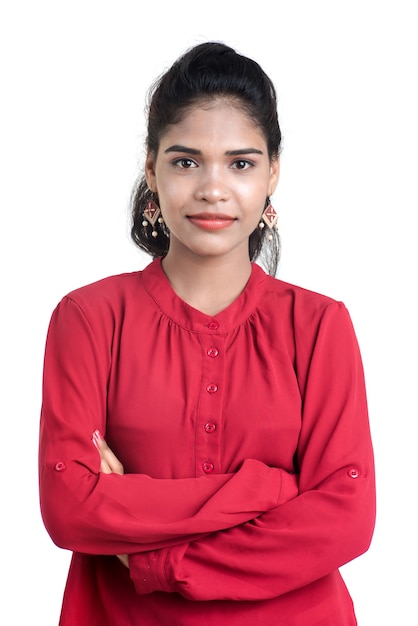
(159, 288)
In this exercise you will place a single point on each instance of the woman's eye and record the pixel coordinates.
(185, 164)
(242, 164)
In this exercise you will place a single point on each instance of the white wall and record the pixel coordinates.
(73, 80)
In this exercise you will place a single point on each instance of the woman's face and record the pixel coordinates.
(212, 175)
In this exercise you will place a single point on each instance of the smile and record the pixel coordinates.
(211, 221)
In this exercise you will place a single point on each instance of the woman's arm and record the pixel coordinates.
(89, 511)
(329, 523)
(281, 550)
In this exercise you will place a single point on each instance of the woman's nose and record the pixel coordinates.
(212, 186)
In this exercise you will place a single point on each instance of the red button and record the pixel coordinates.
(210, 427)
(353, 473)
(213, 325)
(213, 352)
(208, 467)
(212, 388)
(60, 466)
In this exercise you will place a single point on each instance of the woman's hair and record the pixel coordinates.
(208, 71)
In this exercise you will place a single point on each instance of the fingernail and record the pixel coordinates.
(96, 437)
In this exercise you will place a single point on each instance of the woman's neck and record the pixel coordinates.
(209, 284)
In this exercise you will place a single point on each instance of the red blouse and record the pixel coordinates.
(246, 446)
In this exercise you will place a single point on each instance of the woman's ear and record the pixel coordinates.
(150, 172)
(274, 175)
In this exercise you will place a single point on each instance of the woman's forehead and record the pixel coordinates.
(222, 110)
(220, 123)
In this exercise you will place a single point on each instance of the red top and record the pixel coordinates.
(246, 446)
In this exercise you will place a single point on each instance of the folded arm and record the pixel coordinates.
(87, 510)
(331, 520)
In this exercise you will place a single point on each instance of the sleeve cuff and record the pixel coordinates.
(148, 571)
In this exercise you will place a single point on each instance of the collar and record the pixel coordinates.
(159, 288)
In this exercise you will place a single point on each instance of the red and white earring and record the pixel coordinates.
(270, 218)
(152, 215)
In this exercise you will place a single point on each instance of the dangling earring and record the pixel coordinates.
(152, 214)
(270, 218)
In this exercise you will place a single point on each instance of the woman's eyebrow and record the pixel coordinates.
(243, 151)
(186, 150)
(178, 148)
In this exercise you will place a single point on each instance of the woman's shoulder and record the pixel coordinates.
(303, 312)
(302, 308)
(105, 298)
(296, 295)
(110, 287)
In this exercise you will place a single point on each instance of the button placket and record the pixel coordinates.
(211, 401)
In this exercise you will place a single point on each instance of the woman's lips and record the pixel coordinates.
(211, 221)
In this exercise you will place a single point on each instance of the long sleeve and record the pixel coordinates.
(90, 512)
(328, 524)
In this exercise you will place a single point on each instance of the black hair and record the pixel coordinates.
(208, 71)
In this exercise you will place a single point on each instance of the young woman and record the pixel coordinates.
(205, 448)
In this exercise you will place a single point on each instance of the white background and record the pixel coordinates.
(73, 82)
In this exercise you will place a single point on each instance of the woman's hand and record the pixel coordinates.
(123, 558)
(109, 463)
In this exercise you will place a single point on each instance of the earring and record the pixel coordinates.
(270, 218)
(152, 214)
